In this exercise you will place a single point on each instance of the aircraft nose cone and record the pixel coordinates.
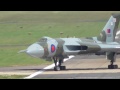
(35, 50)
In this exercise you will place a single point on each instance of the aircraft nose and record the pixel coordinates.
(35, 50)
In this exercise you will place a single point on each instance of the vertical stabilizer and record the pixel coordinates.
(109, 31)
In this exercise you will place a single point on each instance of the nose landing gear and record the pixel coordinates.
(59, 66)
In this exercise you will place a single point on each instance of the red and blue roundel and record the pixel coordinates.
(52, 48)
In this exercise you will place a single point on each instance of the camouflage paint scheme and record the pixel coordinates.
(106, 43)
(63, 47)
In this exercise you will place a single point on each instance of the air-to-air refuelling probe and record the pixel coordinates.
(60, 48)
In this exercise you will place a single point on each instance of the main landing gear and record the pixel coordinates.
(112, 56)
(58, 67)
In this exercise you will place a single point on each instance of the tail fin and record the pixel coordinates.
(109, 31)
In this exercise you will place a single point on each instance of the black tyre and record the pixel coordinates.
(112, 66)
(62, 67)
(57, 68)
(116, 66)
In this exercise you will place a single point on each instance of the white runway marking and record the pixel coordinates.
(48, 67)
(56, 11)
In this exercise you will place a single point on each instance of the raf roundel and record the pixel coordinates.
(108, 31)
(52, 48)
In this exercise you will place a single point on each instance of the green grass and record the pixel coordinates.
(26, 27)
(10, 57)
(12, 76)
(13, 34)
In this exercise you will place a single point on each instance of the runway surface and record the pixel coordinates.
(79, 67)
(84, 67)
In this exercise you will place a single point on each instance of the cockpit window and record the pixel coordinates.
(43, 40)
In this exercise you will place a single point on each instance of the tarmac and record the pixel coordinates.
(79, 67)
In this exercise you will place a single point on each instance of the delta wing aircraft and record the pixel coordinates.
(59, 48)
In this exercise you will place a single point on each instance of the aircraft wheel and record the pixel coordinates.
(112, 66)
(56, 68)
(62, 67)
